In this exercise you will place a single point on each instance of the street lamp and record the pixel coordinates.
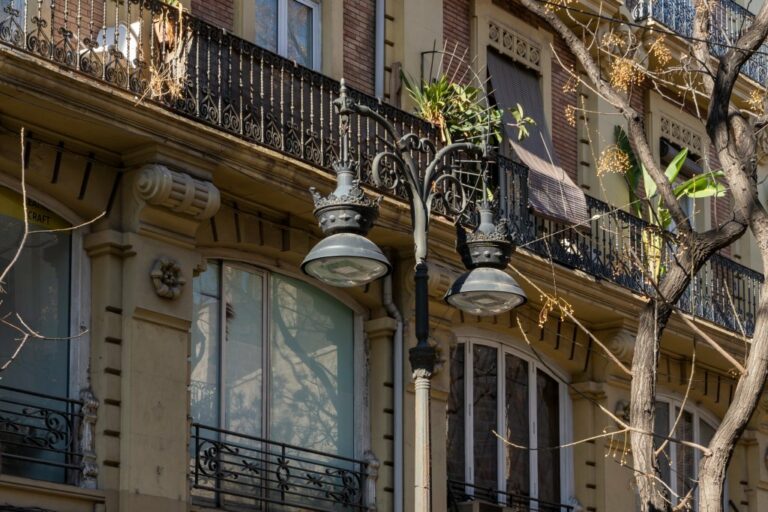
(346, 258)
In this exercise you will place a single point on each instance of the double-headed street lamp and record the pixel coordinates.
(347, 258)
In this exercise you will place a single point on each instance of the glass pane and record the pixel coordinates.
(661, 428)
(300, 33)
(455, 414)
(685, 463)
(38, 290)
(312, 365)
(243, 376)
(485, 413)
(548, 414)
(266, 24)
(204, 353)
(706, 433)
(517, 462)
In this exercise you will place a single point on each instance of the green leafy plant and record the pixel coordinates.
(460, 112)
(652, 208)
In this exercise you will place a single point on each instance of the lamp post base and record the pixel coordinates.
(422, 362)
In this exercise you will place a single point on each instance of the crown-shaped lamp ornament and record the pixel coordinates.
(345, 257)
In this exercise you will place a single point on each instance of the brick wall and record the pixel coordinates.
(456, 36)
(219, 13)
(360, 44)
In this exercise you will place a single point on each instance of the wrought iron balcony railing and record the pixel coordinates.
(616, 247)
(41, 436)
(201, 72)
(461, 492)
(231, 471)
(729, 21)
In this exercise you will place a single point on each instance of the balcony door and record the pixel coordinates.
(272, 389)
(36, 429)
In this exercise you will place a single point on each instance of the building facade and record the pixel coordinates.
(164, 349)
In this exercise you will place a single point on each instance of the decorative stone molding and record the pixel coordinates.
(167, 278)
(682, 135)
(371, 475)
(178, 192)
(512, 44)
(89, 468)
(620, 341)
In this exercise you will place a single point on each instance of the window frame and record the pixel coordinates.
(698, 415)
(79, 289)
(248, 13)
(361, 419)
(564, 413)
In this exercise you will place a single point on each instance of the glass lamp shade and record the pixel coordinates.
(485, 292)
(346, 260)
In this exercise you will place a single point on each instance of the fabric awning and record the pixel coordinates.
(551, 192)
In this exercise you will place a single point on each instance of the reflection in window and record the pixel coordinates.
(290, 28)
(678, 464)
(272, 357)
(525, 400)
(38, 290)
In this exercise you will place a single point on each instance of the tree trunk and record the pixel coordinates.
(712, 469)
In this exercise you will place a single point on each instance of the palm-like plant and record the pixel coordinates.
(651, 208)
(460, 111)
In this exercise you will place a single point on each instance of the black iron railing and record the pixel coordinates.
(196, 70)
(728, 22)
(615, 246)
(39, 436)
(199, 71)
(462, 492)
(231, 470)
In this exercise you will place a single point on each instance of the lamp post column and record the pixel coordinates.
(422, 358)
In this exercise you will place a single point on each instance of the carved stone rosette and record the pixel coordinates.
(167, 278)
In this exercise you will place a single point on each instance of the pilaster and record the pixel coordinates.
(143, 294)
(381, 333)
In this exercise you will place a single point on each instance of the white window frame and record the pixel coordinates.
(249, 13)
(698, 414)
(564, 413)
(360, 423)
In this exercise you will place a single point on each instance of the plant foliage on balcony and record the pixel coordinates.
(461, 112)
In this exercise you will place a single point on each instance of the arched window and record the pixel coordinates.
(272, 379)
(494, 388)
(678, 463)
(38, 430)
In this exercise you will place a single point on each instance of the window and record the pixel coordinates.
(517, 397)
(36, 430)
(272, 357)
(290, 28)
(679, 464)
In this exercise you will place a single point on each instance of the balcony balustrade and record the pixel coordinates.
(201, 72)
(615, 247)
(232, 471)
(41, 437)
(462, 493)
(728, 21)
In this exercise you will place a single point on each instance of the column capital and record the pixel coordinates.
(382, 327)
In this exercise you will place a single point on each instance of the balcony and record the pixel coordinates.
(463, 497)
(234, 471)
(729, 21)
(41, 436)
(203, 73)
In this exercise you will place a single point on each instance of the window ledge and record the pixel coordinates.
(27, 492)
